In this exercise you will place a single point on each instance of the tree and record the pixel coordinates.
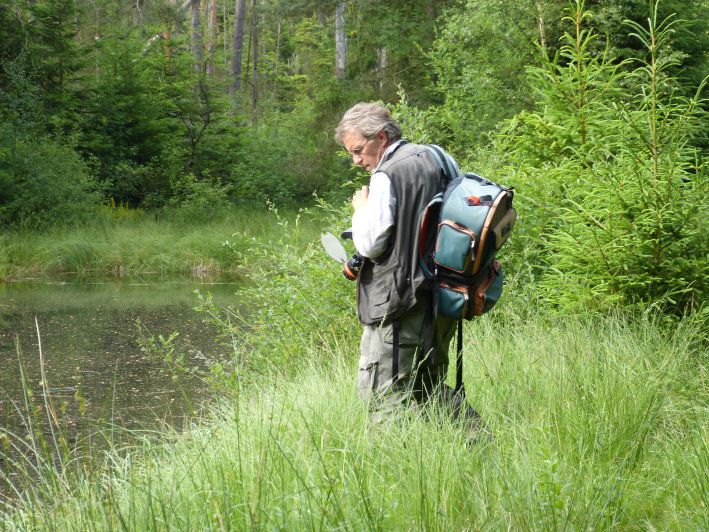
(340, 41)
(614, 202)
(196, 36)
(254, 64)
(237, 47)
(211, 7)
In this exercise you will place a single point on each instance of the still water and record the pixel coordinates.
(96, 373)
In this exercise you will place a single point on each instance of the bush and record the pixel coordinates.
(296, 297)
(282, 161)
(42, 182)
(612, 200)
(198, 201)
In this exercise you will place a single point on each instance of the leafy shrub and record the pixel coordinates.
(42, 182)
(197, 201)
(278, 161)
(296, 301)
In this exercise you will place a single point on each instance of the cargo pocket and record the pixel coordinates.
(368, 364)
(410, 339)
(367, 377)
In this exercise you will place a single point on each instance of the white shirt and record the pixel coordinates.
(373, 222)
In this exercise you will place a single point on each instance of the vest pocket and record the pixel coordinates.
(383, 293)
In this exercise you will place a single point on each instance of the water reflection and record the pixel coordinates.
(95, 370)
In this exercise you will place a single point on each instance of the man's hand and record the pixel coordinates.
(360, 197)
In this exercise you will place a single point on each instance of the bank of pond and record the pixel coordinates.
(124, 243)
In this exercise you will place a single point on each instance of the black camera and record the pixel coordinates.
(350, 269)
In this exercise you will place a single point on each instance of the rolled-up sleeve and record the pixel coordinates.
(373, 223)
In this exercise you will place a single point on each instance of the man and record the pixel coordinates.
(403, 351)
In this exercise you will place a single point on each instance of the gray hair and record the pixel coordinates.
(368, 119)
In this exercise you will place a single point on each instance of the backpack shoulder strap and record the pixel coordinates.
(459, 387)
(445, 163)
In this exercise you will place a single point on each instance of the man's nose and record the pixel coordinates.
(357, 159)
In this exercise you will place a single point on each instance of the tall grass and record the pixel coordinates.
(136, 245)
(596, 424)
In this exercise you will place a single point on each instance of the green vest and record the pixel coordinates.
(392, 283)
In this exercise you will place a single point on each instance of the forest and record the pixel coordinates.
(196, 138)
(183, 110)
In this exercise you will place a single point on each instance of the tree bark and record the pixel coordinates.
(340, 41)
(225, 39)
(542, 27)
(382, 63)
(237, 45)
(196, 36)
(166, 44)
(211, 7)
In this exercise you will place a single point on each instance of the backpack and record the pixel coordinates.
(473, 218)
(460, 231)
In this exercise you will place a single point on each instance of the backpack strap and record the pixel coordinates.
(428, 221)
(395, 350)
(459, 387)
(445, 163)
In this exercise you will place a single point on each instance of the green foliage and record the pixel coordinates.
(611, 197)
(42, 182)
(123, 242)
(297, 296)
(478, 62)
(39, 55)
(199, 201)
(280, 162)
(688, 43)
(126, 127)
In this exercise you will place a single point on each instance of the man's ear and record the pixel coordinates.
(383, 137)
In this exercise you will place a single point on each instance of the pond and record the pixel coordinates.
(96, 373)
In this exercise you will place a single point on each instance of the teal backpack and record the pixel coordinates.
(473, 218)
(460, 231)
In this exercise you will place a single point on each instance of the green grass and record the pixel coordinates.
(597, 424)
(119, 245)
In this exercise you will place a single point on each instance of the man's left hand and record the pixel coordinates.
(360, 197)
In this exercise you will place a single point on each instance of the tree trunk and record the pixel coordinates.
(254, 65)
(542, 29)
(382, 63)
(340, 41)
(278, 57)
(320, 13)
(212, 32)
(432, 9)
(196, 36)
(237, 45)
(166, 45)
(225, 39)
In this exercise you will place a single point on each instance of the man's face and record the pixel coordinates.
(365, 152)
